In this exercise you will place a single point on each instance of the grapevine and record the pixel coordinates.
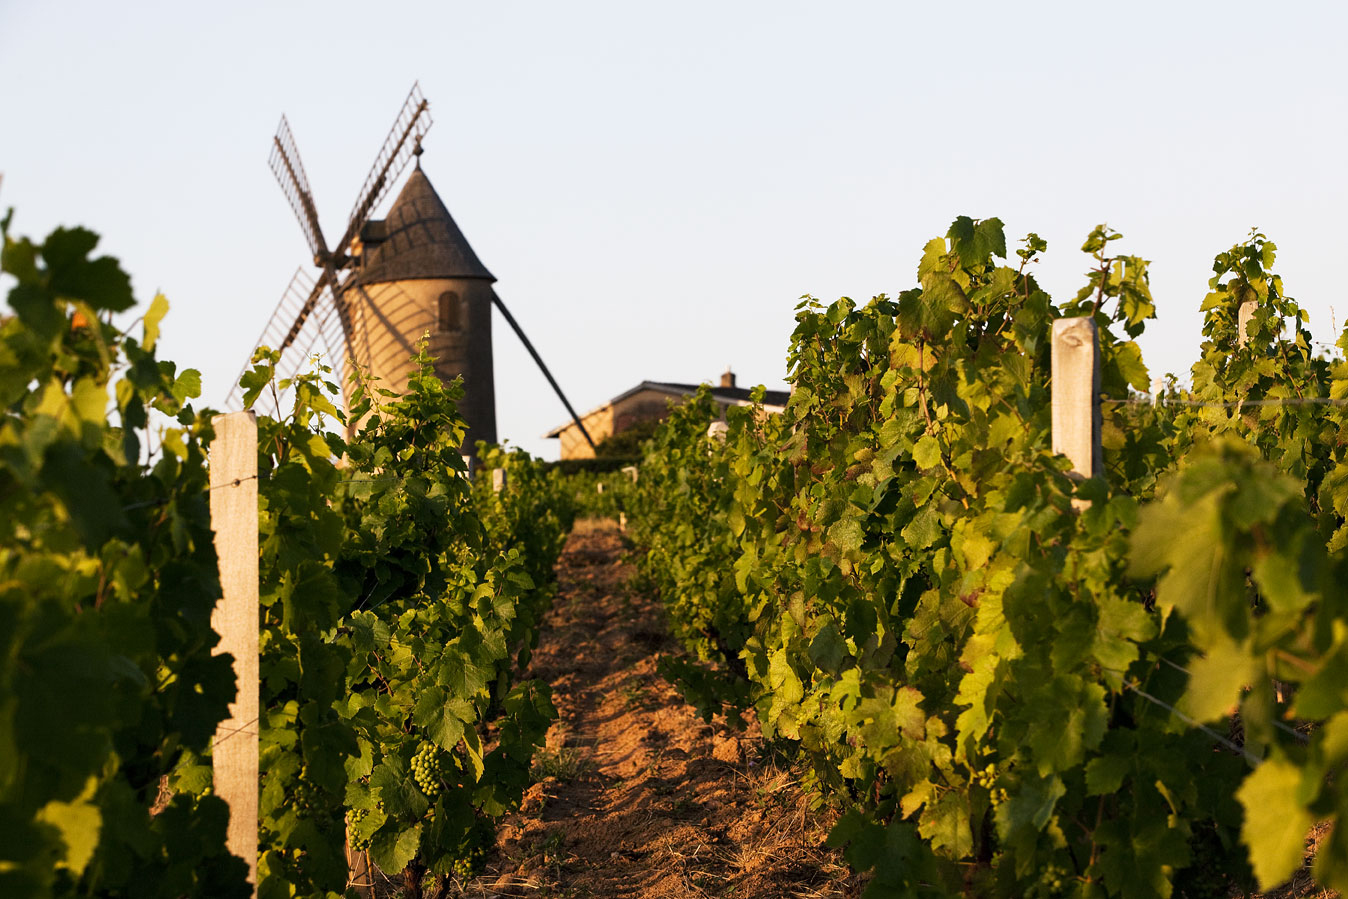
(893, 575)
(359, 565)
(107, 680)
(463, 575)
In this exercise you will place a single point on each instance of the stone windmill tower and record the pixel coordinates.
(417, 275)
(389, 281)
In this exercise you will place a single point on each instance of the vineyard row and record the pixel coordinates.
(390, 605)
(1029, 636)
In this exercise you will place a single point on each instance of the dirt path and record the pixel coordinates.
(636, 796)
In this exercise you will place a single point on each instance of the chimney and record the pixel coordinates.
(728, 379)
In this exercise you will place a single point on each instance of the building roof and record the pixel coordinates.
(733, 396)
(422, 240)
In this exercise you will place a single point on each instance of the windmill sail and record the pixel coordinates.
(403, 142)
(306, 323)
(289, 171)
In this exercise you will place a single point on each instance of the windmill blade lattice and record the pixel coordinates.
(319, 333)
(413, 121)
(289, 171)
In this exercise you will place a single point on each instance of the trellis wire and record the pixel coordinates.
(1288, 401)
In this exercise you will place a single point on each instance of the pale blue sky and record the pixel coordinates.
(655, 185)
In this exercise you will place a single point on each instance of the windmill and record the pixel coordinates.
(386, 282)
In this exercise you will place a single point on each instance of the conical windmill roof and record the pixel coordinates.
(423, 241)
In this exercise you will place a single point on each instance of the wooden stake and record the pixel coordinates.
(1244, 319)
(1076, 395)
(233, 462)
(358, 874)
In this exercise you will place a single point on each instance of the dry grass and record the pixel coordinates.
(1303, 885)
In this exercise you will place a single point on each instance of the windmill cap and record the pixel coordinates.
(420, 240)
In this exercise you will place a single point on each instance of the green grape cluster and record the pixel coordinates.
(986, 777)
(426, 769)
(1052, 881)
(353, 817)
(305, 796)
(999, 796)
(470, 864)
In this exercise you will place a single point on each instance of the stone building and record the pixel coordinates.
(647, 401)
(418, 275)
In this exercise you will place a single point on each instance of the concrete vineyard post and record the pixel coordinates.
(498, 480)
(233, 465)
(1076, 396)
(631, 472)
(1244, 318)
(1244, 321)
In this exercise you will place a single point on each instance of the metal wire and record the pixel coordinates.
(1250, 757)
(361, 479)
(1285, 401)
(1300, 737)
(248, 728)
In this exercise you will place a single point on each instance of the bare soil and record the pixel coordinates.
(635, 795)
